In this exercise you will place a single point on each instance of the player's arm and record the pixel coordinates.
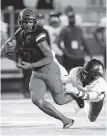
(88, 95)
(44, 48)
(8, 49)
(101, 89)
(81, 94)
(46, 52)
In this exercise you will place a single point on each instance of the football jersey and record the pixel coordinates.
(27, 47)
(98, 86)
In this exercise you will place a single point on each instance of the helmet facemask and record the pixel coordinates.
(28, 24)
(28, 20)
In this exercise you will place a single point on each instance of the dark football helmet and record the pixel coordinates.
(28, 20)
(91, 71)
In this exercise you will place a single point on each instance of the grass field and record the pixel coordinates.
(22, 118)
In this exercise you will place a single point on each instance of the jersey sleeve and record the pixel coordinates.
(41, 37)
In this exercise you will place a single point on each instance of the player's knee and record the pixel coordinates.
(92, 119)
(58, 100)
(38, 103)
(35, 101)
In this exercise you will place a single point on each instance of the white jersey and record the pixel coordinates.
(97, 86)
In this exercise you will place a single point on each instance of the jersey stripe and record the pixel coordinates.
(40, 37)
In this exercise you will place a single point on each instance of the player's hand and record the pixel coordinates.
(10, 44)
(70, 88)
(26, 65)
(8, 48)
(19, 66)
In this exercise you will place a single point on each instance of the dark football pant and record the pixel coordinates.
(47, 77)
(95, 109)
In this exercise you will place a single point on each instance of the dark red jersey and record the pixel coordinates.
(27, 47)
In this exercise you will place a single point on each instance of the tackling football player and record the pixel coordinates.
(91, 86)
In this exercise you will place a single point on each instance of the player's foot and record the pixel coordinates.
(69, 124)
(79, 101)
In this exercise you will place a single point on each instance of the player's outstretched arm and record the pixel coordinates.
(101, 88)
(88, 95)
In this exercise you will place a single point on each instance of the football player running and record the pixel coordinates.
(91, 86)
(29, 48)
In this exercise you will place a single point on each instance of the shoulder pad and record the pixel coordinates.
(41, 37)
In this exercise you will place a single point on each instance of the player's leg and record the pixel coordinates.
(95, 109)
(53, 81)
(64, 97)
(38, 90)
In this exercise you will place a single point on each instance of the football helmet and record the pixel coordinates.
(28, 20)
(91, 71)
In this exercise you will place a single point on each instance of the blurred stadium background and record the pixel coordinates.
(91, 14)
(20, 116)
